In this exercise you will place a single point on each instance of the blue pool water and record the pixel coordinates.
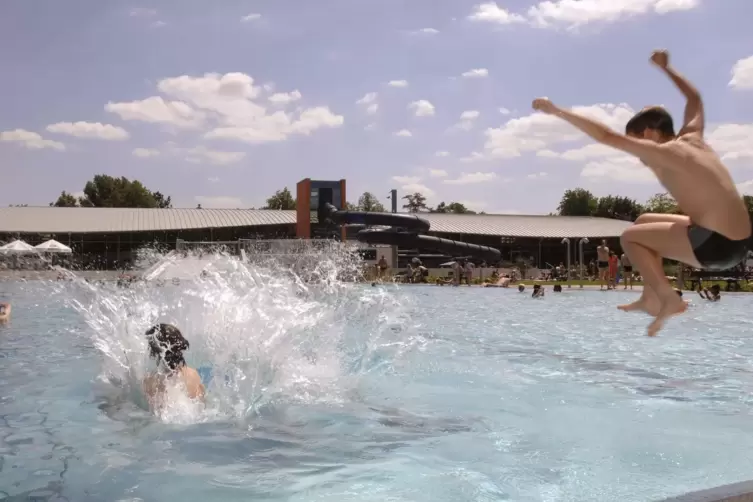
(356, 393)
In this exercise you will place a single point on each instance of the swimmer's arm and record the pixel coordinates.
(694, 120)
(610, 137)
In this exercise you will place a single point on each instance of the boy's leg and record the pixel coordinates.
(645, 244)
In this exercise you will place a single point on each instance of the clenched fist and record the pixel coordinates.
(544, 105)
(660, 58)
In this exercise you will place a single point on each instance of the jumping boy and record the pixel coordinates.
(714, 231)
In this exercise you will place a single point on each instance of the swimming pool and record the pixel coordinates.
(418, 393)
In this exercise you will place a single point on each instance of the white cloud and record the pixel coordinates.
(732, 141)
(442, 153)
(742, 74)
(537, 176)
(490, 12)
(227, 104)
(219, 202)
(145, 152)
(142, 12)
(540, 131)
(476, 73)
(92, 130)
(504, 111)
(618, 168)
(472, 178)
(369, 101)
(467, 120)
(422, 108)
(398, 83)
(158, 24)
(426, 31)
(250, 17)
(575, 13)
(213, 179)
(746, 187)
(158, 111)
(368, 98)
(284, 98)
(406, 180)
(201, 154)
(437, 173)
(412, 188)
(30, 140)
(404, 133)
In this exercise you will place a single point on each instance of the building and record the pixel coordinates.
(109, 237)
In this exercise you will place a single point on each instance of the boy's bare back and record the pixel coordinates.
(694, 175)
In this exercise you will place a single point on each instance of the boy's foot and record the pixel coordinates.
(671, 305)
(651, 305)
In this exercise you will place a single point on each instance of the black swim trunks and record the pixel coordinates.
(627, 268)
(603, 264)
(715, 251)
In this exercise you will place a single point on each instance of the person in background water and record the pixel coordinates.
(713, 294)
(166, 346)
(4, 311)
(382, 267)
(627, 271)
(602, 253)
(538, 291)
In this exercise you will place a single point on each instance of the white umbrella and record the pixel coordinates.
(53, 246)
(17, 247)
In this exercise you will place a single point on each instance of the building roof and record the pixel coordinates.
(64, 220)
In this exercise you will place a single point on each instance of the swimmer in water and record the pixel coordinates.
(4, 311)
(166, 346)
(713, 294)
(714, 230)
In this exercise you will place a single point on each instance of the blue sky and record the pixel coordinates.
(222, 103)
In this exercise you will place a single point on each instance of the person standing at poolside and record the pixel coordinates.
(602, 255)
(627, 270)
(714, 231)
(614, 265)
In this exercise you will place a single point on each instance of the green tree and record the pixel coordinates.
(282, 199)
(618, 208)
(65, 200)
(577, 202)
(370, 204)
(108, 191)
(662, 203)
(162, 202)
(452, 207)
(416, 203)
(349, 206)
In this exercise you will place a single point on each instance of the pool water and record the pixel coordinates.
(358, 393)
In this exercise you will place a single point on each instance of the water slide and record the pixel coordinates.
(405, 231)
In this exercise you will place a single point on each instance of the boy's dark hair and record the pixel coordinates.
(654, 118)
(166, 343)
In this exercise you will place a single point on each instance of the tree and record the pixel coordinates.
(65, 200)
(162, 202)
(281, 200)
(662, 203)
(618, 208)
(349, 206)
(370, 204)
(416, 202)
(577, 202)
(452, 207)
(108, 191)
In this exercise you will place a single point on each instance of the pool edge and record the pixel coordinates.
(735, 492)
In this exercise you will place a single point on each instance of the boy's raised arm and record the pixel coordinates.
(694, 121)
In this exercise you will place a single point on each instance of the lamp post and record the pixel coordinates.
(584, 240)
(566, 242)
(393, 197)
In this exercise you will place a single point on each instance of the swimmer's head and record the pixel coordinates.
(166, 344)
(653, 123)
(521, 288)
(715, 289)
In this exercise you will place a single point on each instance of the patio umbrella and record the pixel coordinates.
(17, 247)
(53, 246)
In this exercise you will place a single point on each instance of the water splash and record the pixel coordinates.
(263, 334)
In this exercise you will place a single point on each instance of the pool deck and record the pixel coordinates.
(737, 492)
